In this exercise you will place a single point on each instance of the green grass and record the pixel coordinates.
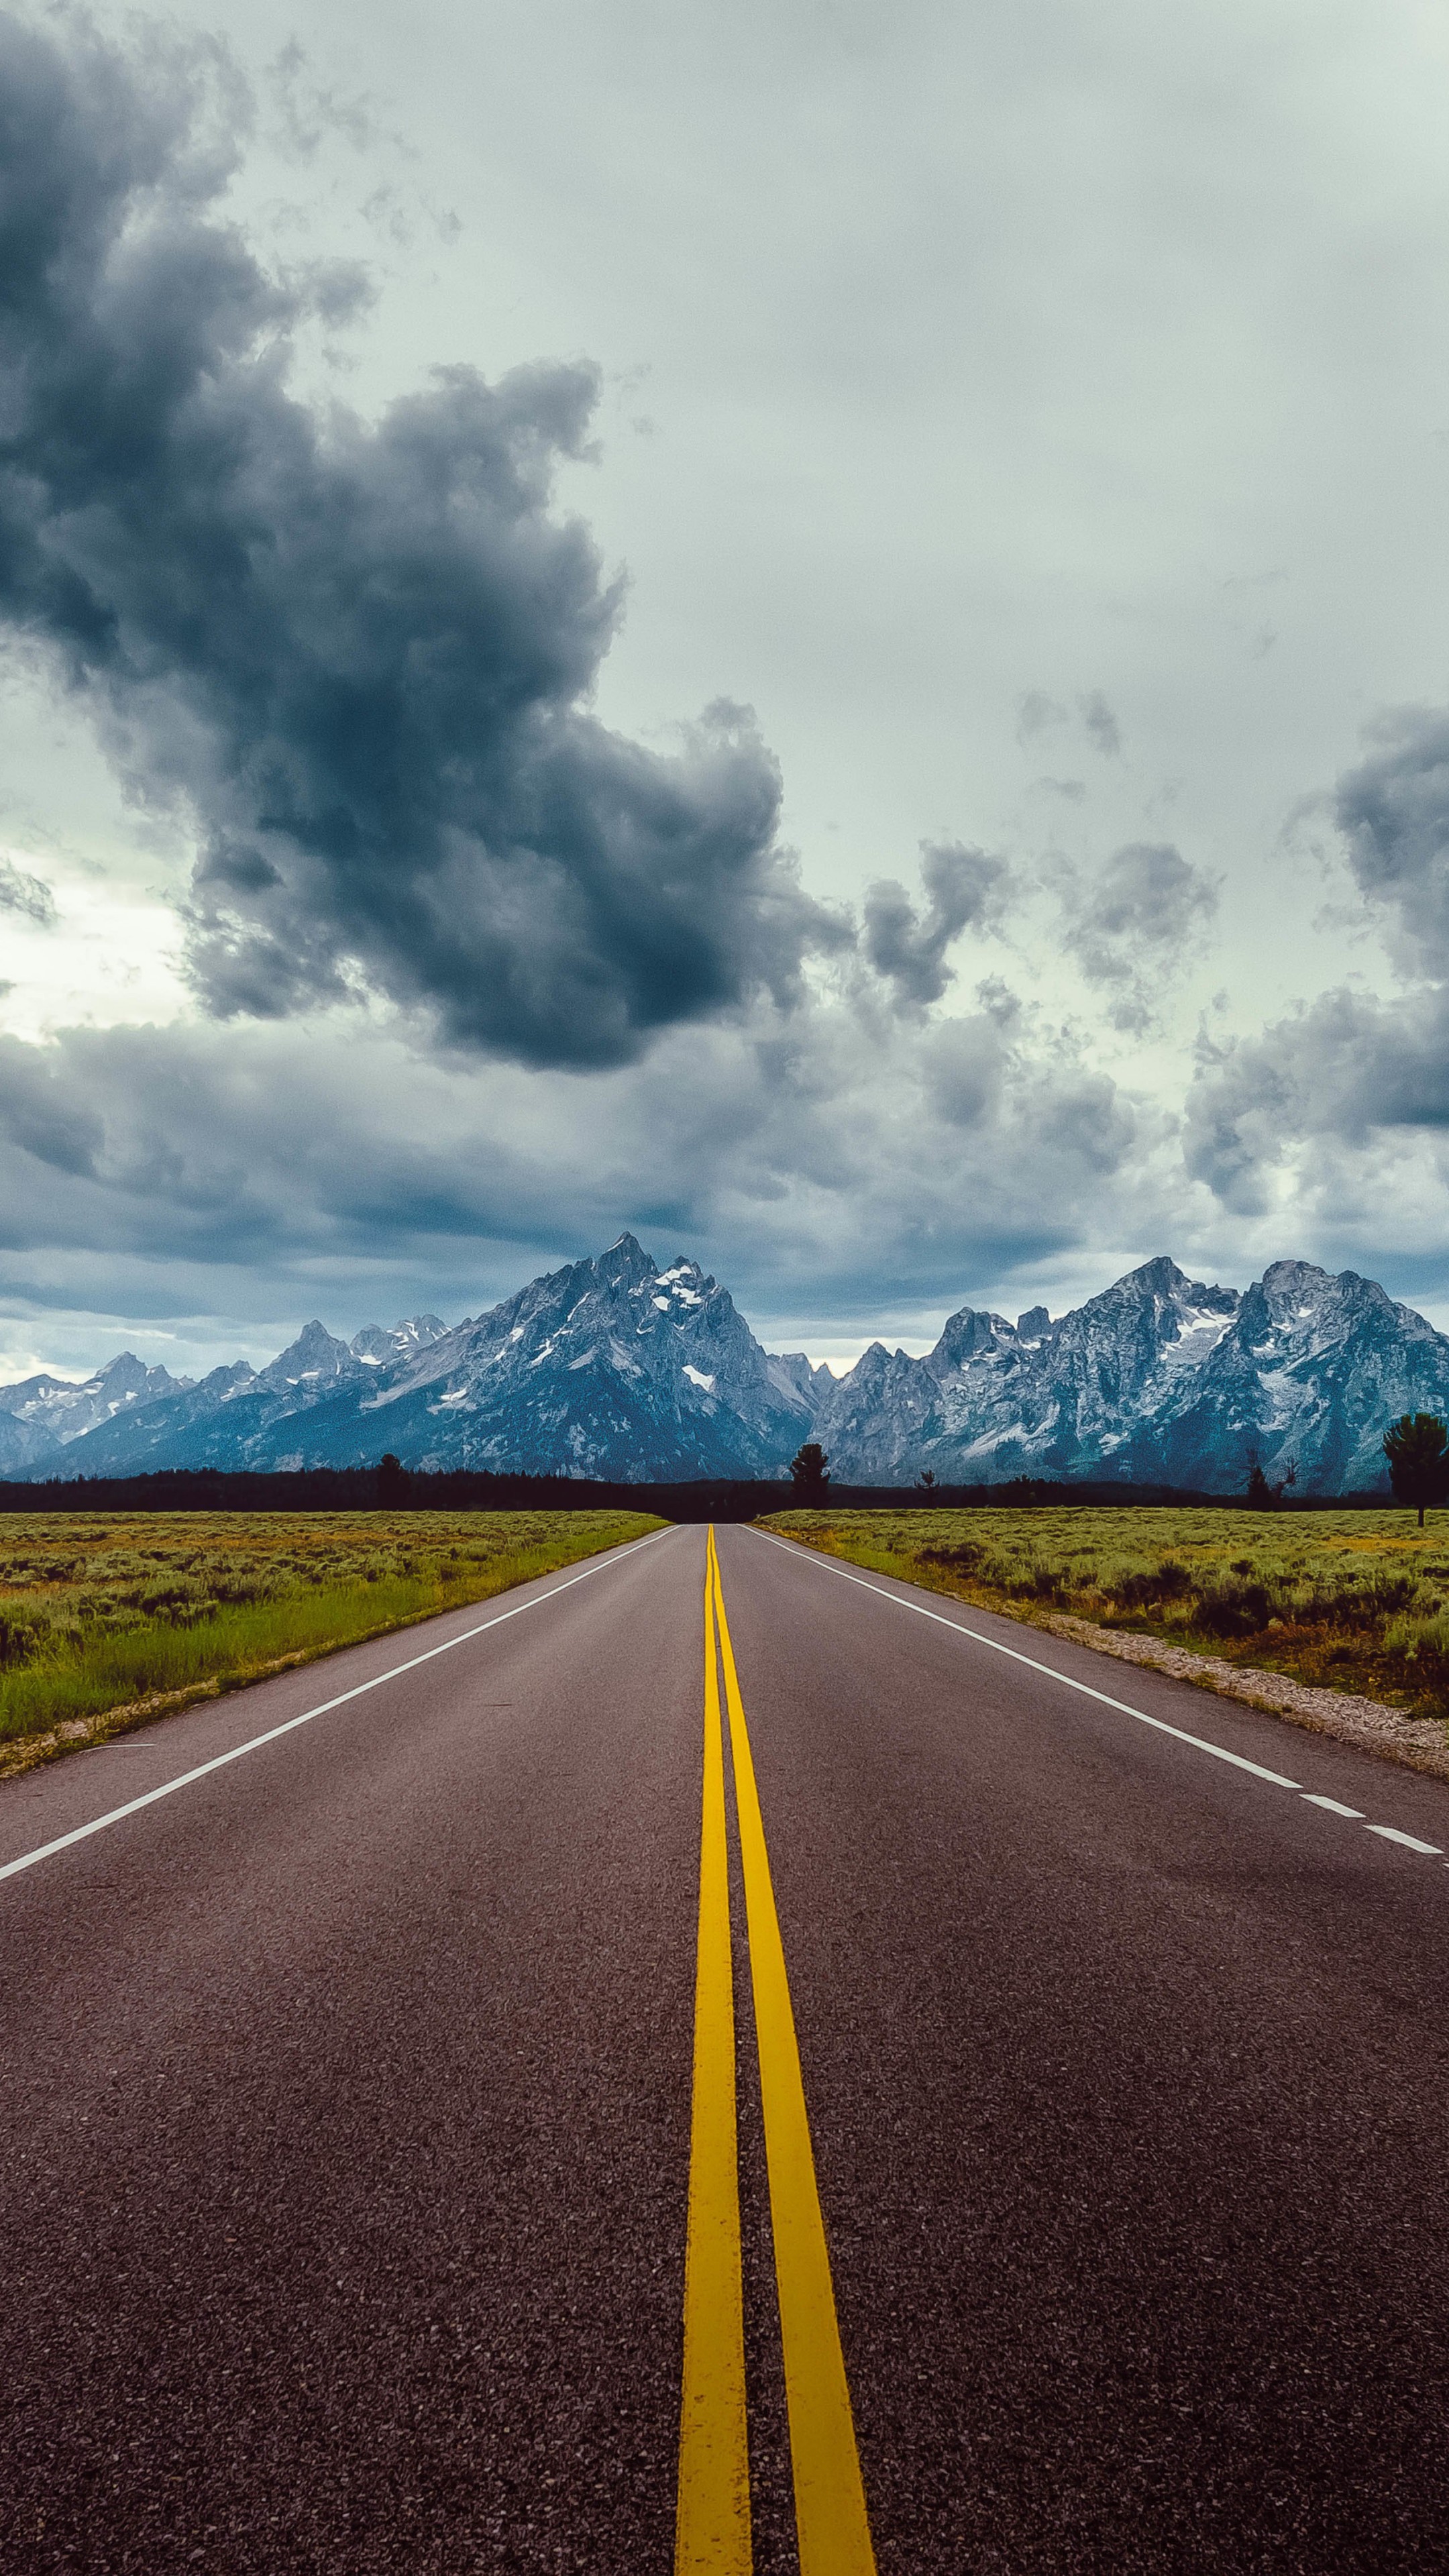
(1356, 1601)
(98, 1614)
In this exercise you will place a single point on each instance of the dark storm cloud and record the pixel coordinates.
(1393, 811)
(1351, 1069)
(1344, 1071)
(45, 1119)
(964, 889)
(359, 655)
(1351, 1072)
(1147, 896)
(1132, 923)
(844, 1157)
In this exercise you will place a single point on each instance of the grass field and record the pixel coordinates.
(1353, 1600)
(144, 1609)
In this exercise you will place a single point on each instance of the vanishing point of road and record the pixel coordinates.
(721, 2062)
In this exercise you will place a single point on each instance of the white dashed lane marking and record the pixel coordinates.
(1199, 1743)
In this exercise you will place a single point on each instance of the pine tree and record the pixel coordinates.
(807, 1472)
(1417, 1449)
(1262, 1496)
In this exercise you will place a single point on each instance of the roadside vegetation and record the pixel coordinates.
(1355, 1601)
(139, 1611)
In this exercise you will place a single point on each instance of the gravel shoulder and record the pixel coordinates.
(1417, 1743)
(1421, 1743)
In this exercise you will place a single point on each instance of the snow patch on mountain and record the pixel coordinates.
(620, 1368)
(1160, 1379)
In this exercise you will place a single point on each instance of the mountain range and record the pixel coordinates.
(617, 1368)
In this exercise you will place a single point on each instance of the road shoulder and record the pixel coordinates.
(1417, 1744)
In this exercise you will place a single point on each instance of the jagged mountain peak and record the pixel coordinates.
(1297, 1296)
(1302, 1287)
(625, 1260)
(795, 1371)
(1155, 1305)
(965, 1336)
(1159, 1284)
(1160, 1378)
(590, 1366)
(124, 1370)
(44, 1414)
(314, 1358)
(1299, 1286)
(619, 1366)
(378, 1345)
(875, 1362)
(1159, 1277)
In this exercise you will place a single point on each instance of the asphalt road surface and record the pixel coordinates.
(357, 2124)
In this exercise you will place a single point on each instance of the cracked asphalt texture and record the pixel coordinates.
(344, 2103)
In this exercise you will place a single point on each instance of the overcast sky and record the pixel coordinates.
(820, 632)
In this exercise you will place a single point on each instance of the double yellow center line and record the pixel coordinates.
(713, 2526)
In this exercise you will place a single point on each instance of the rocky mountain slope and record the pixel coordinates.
(607, 1368)
(1160, 1379)
(40, 1415)
(618, 1368)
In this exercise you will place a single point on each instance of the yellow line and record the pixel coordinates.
(830, 2515)
(712, 2525)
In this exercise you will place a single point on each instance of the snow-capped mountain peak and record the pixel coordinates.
(43, 1414)
(619, 1367)
(379, 1349)
(1161, 1378)
(316, 1359)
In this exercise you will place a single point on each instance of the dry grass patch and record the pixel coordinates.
(127, 1614)
(1352, 1601)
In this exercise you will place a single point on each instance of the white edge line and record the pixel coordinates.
(218, 1762)
(1240, 1762)
(1200, 1743)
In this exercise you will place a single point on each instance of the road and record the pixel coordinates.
(356, 2124)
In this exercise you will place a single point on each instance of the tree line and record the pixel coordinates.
(1416, 1448)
